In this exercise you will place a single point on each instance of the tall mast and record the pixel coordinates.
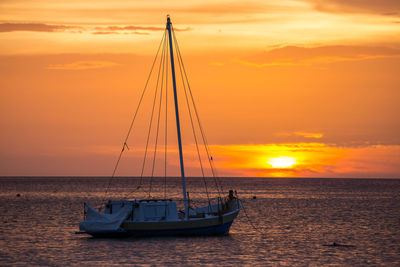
(178, 127)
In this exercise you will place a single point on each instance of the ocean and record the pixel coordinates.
(285, 222)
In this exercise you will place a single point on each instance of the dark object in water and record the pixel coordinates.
(18, 195)
(254, 197)
(334, 244)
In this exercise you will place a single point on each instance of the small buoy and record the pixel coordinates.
(254, 197)
(334, 244)
(18, 195)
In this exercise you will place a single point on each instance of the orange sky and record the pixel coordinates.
(284, 88)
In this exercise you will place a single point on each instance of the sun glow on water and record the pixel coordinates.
(281, 162)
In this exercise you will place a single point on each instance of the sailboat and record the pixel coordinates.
(161, 217)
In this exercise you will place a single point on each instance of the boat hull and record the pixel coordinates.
(218, 225)
(204, 231)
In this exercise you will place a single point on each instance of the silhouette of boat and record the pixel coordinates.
(158, 217)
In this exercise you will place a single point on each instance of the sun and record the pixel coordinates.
(281, 162)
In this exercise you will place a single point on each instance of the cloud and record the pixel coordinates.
(228, 8)
(114, 32)
(301, 134)
(132, 29)
(383, 7)
(40, 27)
(83, 65)
(218, 64)
(147, 12)
(302, 56)
(99, 150)
(34, 27)
(268, 64)
(105, 32)
(311, 160)
(309, 135)
(135, 28)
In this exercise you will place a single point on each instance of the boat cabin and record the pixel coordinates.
(145, 210)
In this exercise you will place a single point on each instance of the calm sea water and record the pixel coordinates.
(287, 224)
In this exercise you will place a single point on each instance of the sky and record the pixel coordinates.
(293, 88)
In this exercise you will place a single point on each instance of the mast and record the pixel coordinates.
(178, 127)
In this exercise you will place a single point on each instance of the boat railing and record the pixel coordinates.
(154, 200)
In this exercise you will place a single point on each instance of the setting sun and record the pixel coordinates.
(282, 162)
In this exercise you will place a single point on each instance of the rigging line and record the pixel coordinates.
(249, 220)
(151, 118)
(162, 65)
(198, 120)
(180, 63)
(210, 159)
(133, 120)
(166, 121)
(141, 176)
(216, 173)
